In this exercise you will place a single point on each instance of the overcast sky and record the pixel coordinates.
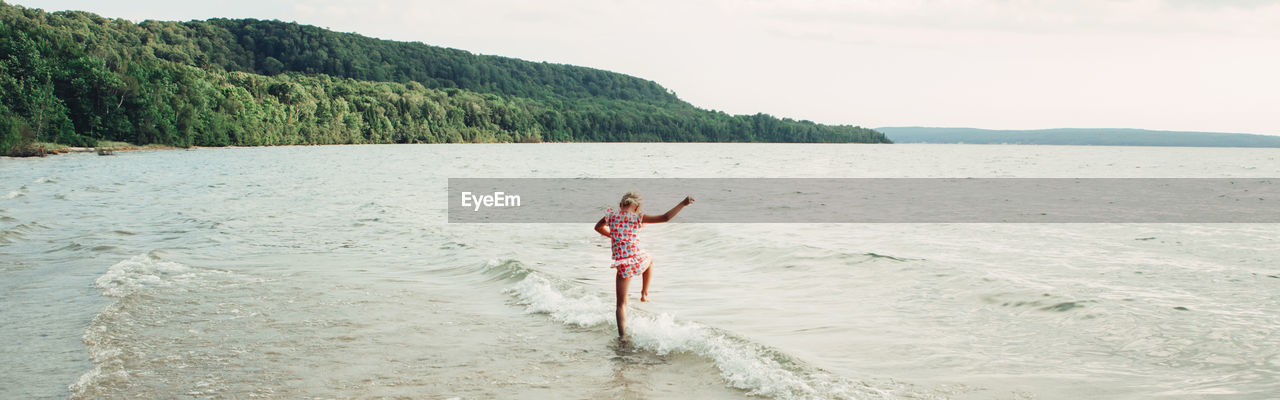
(1208, 65)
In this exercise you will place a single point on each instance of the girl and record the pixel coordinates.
(623, 227)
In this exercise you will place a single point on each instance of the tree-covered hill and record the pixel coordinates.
(76, 78)
(272, 47)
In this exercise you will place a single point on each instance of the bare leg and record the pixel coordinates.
(621, 312)
(644, 284)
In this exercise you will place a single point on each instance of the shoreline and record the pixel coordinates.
(131, 147)
(109, 150)
(44, 150)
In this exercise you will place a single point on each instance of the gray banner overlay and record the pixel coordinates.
(872, 200)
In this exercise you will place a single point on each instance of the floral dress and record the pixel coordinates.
(624, 229)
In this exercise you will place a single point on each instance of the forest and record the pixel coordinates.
(75, 78)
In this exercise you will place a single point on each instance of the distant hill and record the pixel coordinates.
(275, 47)
(76, 78)
(1076, 136)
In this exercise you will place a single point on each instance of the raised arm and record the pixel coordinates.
(657, 219)
(601, 228)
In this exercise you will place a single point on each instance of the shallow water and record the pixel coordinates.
(330, 272)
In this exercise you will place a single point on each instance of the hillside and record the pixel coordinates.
(76, 78)
(1098, 137)
(273, 47)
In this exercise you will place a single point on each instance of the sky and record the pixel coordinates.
(1203, 65)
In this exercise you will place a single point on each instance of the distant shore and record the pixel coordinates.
(1078, 136)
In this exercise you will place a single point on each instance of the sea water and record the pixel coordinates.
(332, 272)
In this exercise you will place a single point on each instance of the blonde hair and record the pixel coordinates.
(630, 198)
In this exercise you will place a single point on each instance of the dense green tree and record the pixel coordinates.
(76, 78)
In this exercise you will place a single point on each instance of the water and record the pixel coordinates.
(294, 272)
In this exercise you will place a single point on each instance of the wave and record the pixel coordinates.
(10, 236)
(73, 246)
(746, 365)
(1042, 302)
(18, 232)
(136, 276)
(492, 271)
(141, 272)
(874, 256)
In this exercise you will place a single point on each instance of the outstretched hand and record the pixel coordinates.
(667, 216)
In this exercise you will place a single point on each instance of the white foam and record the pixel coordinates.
(743, 364)
(123, 279)
(103, 373)
(139, 272)
(538, 296)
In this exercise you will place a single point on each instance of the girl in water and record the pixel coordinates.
(623, 227)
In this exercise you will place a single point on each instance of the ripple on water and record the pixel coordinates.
(73, 246)
(18, 232)
(1042, 302)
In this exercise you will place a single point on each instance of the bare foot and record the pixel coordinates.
(644, 296)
